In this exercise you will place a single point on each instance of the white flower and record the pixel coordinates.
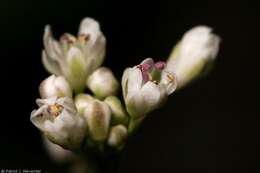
(98, 116)
(117, 136)
(55, 86)
(194, 54)
(103, 83)
(146, 86)
(60, 122)
(75, 58)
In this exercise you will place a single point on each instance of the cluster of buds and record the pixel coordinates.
(71, 119)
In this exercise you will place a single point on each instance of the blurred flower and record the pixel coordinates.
(103, 83)
(60, 122)
(194, 54)
(119, 116)
(75, 57)
(117, 136)
(55, 86)
(98, 116)
(82, 101)
(146, 86)
(56, 152)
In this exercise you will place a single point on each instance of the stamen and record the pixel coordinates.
(83, 38)
(55, 109)
(67, 38)
(151, 71)
(170, 77)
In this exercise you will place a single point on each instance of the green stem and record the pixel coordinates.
(134, 125)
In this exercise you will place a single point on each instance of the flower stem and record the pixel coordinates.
(134, 125)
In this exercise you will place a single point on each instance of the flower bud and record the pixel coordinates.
(82, 101)
(56, 152)
(146, 87)
(55, 86)
(98, 116)
(75, 58)
(60, 122)
(117, 136)
(103, 83)
(193, 55)
(119, 116)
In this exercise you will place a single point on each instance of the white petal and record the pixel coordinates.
(52, 47)
(56, 152)
(135, 106)
(125, 80)
(89, 26)
(95, 47)
(38, 118)
(95, 53)
(151, 95)
(147, 61)
(47, 88)
(51, 65)
(48, 101)
(135, 80)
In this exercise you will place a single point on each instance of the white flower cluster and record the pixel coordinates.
(76, 120)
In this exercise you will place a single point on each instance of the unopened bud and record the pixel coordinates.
(98, 119)
(55, 86)
(119, 115)
(82, 101)
(117, 136)
(193, 55)
(103, 83)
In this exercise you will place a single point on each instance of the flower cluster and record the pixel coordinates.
(76, 120)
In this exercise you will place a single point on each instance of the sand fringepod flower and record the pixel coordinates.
(193, 55)
(58, 119)
(98, 115)
(117, 136)
(75, 57)
(55, 86)
(146, 87)
(103, 83)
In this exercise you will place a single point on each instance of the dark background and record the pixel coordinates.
(211, 126)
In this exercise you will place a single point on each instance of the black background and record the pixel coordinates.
(211, 126)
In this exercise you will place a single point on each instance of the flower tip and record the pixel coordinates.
(47, 30)
(88, 25)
